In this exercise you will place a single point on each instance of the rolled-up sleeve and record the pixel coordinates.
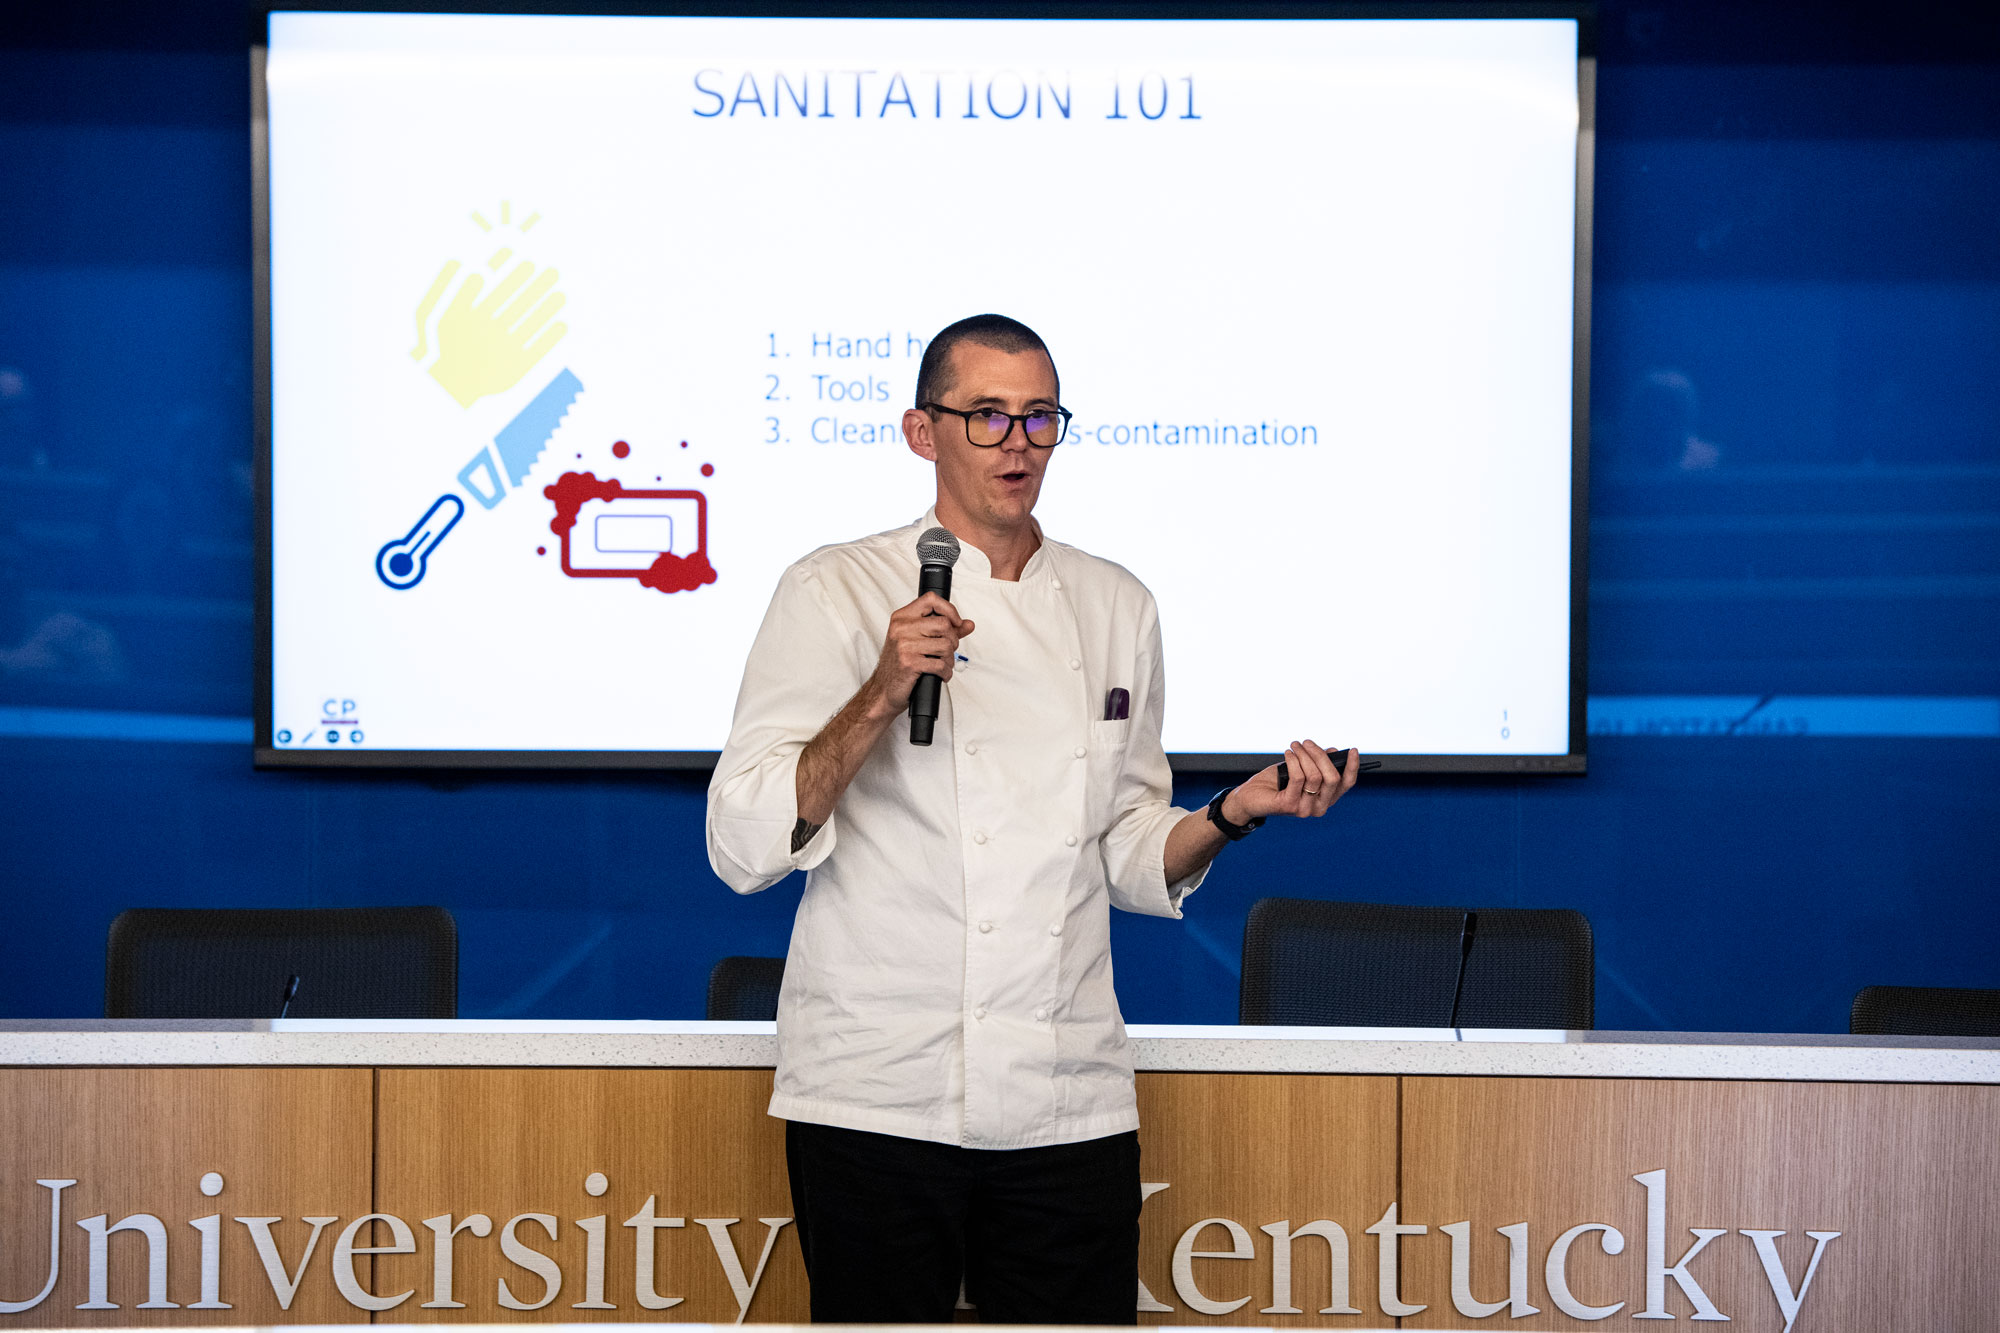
(1135, 844)
(797, 677)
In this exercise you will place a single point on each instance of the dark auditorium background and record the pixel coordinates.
(1795, 407)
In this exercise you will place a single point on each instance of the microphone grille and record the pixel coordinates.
(937, 547)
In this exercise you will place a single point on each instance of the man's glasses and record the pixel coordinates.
(988, 427)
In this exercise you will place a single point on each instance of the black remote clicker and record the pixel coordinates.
(1339, 758)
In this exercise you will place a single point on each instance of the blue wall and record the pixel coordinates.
(1797, 493)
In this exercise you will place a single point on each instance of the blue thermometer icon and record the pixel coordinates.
(400, 564)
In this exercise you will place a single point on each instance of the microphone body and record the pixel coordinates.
(937, 552)
(1465, 934)
(924, 699)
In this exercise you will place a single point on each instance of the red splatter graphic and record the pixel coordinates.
(684, 444)
(668, 572)
(570, 491)
(541, 550)
(678, 573)
(621, 450)
(708, 469)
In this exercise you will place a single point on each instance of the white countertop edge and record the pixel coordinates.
(1529, 1054)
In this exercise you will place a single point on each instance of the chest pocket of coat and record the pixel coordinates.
(1106, 765)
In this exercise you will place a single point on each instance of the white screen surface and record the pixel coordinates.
(1308, 285)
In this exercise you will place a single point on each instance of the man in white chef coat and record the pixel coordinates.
(952, 1066)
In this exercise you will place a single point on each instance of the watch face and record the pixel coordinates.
(1233, 832)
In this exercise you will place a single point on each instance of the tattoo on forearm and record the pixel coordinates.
(802, 833)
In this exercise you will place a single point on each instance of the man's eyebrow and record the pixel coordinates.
(986, 400)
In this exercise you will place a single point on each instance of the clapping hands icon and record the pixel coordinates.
(486, 346)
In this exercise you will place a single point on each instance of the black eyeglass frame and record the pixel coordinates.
(1013, 419)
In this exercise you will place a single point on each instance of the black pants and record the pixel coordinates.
(1040, 1235)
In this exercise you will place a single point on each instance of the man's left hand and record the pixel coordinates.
(1314, 785)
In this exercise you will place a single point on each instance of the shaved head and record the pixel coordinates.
(934, 373)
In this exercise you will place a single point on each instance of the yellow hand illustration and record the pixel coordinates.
(486, 346)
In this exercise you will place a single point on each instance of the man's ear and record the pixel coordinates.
(917, 434)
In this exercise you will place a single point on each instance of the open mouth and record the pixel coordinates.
(1016, 477)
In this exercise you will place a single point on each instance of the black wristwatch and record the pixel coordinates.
(1233, 832)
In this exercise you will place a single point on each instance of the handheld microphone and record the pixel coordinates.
(291, 990)
(937, 552)
(1465, 933)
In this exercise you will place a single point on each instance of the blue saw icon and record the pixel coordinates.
(522, 440)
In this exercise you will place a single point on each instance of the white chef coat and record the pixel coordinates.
(949, 977)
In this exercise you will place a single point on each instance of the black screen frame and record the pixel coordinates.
(267, 755)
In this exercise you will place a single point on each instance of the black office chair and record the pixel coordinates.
(745, 990)
(1331, 964)
(351, 962)
(1925, 1011)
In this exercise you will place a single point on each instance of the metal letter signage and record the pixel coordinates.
(55, 1189)
(1657, 1271)
(1650, 1271)
(1388, 1286)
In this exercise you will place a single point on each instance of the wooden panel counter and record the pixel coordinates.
(313, 1172)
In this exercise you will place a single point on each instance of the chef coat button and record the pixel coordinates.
(1070, 841)
(979, 838)
(972, 747)
(1041, 1015)
(980, 1012)
(1075, 665)
(1081, 752)
(986, 927)
(1058, 585)
(1056, 929)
